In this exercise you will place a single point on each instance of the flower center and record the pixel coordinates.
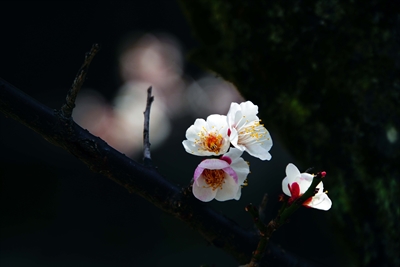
(214, 178)
(211, 142)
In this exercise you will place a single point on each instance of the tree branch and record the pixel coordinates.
(69, 105)
(136, 178)
(146, 130)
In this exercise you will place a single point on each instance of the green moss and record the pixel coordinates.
(329, 68)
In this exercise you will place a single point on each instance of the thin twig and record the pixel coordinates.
(253, 211)
(66, 109)
(263, 206)
(146, 129)
(262, 243)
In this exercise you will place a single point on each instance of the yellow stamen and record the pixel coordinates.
(252, 133)
(210, 141)
(245, 183)
(214, 178)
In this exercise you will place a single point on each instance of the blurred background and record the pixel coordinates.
(54, 210)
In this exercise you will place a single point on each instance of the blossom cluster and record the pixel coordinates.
(227, 136)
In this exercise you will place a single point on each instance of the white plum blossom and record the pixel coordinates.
(221, 178)
(207, 138)
(245, 131)
(296, 184)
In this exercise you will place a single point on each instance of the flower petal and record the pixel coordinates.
(201, 190)
(258, 151)
(242, 170)
(234, 108)
(197, 173)
(320, 187)
(192, 131)
(229, 190)
(218, 121)
(234, 154)
(234, 138)
(304, 183)
(292, 173)
(285, 187)
(307, 176)
(249, 110)
(213, 164)
(238, 164)
(229, 171)
(190, 147)
(321, 202)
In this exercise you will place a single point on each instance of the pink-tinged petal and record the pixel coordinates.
(202, 192)
(228, 191)
(231, 173)
(306, 176)
(227, 159)
(285, 187)
(294, 190)
(197, 173)
(238, 164)
(321, 202)
(213, 164)
(292, 173)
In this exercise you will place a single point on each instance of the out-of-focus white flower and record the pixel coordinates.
(220, 178)
(296, 184)
(207, 138)
(245, 131)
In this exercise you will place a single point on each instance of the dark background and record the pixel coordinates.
(54, 211)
